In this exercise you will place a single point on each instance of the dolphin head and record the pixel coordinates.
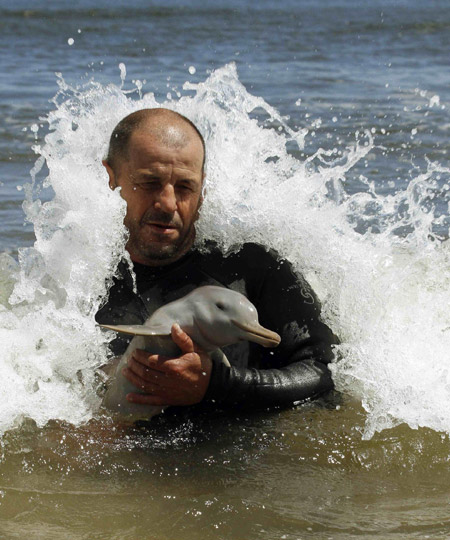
(222, 316)
(212, 316)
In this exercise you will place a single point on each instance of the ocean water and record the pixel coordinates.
(327, 138)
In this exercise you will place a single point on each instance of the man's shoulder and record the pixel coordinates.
(244, 268)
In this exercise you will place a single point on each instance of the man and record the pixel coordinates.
(157, 157)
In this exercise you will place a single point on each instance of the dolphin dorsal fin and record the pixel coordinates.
(139, 329)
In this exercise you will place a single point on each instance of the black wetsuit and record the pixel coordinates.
(295, 371)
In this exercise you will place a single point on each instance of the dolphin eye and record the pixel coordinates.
(220, 305)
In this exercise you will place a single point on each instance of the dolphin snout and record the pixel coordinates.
(258, 334)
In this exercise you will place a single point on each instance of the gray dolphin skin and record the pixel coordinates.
(212, 316)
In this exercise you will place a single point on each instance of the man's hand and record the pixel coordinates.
(170, 381)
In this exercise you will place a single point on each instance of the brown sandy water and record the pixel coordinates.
(301, 473)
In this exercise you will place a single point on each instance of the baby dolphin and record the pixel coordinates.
(212, 316)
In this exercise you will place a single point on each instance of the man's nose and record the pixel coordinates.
(166, 200)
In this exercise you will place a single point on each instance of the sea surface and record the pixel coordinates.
(327, 132)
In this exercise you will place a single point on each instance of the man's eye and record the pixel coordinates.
(148, 185)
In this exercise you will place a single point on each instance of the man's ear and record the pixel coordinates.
(112, 176)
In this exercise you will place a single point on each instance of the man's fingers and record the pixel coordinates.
(153, 361)
(147, 374)
(146, 399)
(138, 381)
(181, 339)
(160, 370)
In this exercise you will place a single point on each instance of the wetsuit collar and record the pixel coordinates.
(149, 273)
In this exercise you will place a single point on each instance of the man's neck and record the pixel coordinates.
(156, 263)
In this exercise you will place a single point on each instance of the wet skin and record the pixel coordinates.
(162, 185)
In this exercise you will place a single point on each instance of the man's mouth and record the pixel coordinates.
(161, 228)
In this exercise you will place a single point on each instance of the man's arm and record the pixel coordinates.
(251, 387)
(295, 371)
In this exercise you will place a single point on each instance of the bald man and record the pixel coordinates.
(157, 157)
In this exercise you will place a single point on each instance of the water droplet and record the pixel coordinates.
(192, 70)
(70, 41)
(434, 101)
(123, 71)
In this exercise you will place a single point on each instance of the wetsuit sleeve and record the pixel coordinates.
(260, 388)
(297, 370)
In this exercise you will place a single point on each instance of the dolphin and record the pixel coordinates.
(212, 316)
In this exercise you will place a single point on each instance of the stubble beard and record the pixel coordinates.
(154, 253)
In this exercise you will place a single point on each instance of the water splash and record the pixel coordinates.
(375, 260)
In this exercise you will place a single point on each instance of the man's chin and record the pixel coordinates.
(157, 253)
(162, 253)
(156, 250)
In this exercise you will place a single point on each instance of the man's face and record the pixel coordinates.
(162, 185)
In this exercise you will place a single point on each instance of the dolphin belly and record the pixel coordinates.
(115, 397)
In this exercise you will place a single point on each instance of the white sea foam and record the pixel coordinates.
(386, 296)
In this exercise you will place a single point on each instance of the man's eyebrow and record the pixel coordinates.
(151, 174)
(182, 176)
(189, 179)
(146, 175)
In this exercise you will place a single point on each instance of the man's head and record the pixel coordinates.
(156, 157)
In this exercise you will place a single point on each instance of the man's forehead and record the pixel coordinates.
(149, 151)
(171, 132)
(174, 136)
(170, 137)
